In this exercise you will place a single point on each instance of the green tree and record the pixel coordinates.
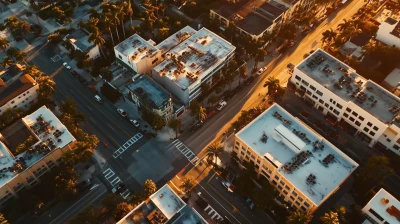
(259, 57)
(298, 217)
(46, 88)
(187, 185)
(266, 195)
(205, 87)
(330, 218)
(328, 36)
(163, 33)
(121, 210)
(149, 188)
(2, 219)
(54, 38)
(194, 107)
(106, 74)
(212, 100)
(65, 182)
(96, 38)
(91, 214)
(108, 23)
(213, 151)
(175, 124)
(111, 201)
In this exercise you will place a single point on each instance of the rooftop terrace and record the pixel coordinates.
(49, 134)
(135, 48)
(342, 80)
(175, 39)
(311, 163)
(81, 39)
(146, 88)
(190, 61)
(385, 205)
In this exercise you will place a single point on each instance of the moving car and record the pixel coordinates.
(122, 112)
(82, 80)
(195, 127)
(261, 70)
(119, 188)
(221, 105)
(228, 185)
(67, 66)
(134, 122)
(98, 99)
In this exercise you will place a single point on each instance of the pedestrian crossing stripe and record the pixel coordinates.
(189, 154)
(127, 144)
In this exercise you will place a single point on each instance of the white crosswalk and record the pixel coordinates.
(114, 180)
(213, 214)
(127, 144)
(191, 156)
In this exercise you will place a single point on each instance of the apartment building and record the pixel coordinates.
(305, 168)
(192, 62)
(253, 18)
(392, 82)
(29, 148)
(21, 93)
(149, 95)
(137, 54)
(80, 41)
(383, 208)
(359, 105)
(164, 206)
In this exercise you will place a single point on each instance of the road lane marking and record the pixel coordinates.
(127, 144)
(111, 127)
(89, 107)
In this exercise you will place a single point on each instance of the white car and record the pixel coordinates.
(261, 70)
(228, 185)
(221, 105)
(67, 66)
(122, 112)
(134, 122)
(98, 99)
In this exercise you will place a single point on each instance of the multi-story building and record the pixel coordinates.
(359, 105)
(137, 54)
(389, 28)
(305, 168)
(29, 148)
(383, 208)
(253, 18)
(149, 95)
(392, 82)
(164, 206)
(21, 93)
(80, 41)
(12, 73)
(192, 62)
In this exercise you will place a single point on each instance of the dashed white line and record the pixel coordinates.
(111, 127)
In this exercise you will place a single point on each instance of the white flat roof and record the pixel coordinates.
(393, 79)
(343, 81)
(190, 61)
(167, 201)
(175, 39)
(376, 204)
(135, 48)
(278, 148)
(46, 133)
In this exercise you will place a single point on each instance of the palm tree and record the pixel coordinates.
(4, 43)
(175, 124)
(115, 20)
(46, 87)
(121, 13)
(187, 185)
(2, 219)
(163, 32)
(97, 40)
(330, 218)
(201, 113)
(148, 21)
(298, 217)
(34, 71)
(108, 23)
(6, 61)
(213, 151)
(93, 13)
(345, 25)
(328, 36)
(272, 84)
(129, 11)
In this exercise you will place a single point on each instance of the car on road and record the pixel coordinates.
(195, 127)
(66, 65)
(221, 105)
(261, 70)
(82, 185)
(122, 112)
(118, 189)
(134, 122)
(248, 201)
(82, 80)
(74, 73)
(228, 185)
(98, 99)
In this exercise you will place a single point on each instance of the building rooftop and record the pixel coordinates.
(136, 48)
(9, 92)
(387, 209)
(254, 24)
(81, 39)
(162, 207)
(393, 79)
(146, 88)
(175, 39)
(342, 80)
(361, 39)
(387, 13)
(307, 160)
(189, 62)
(47, 133)
(8, 74)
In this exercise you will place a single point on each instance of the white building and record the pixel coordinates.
(389, 32)
(137, 54)
(383, 208)
(21, 93)
(359, 105)
(392, 82)
(80, 41)
(164, 206)
(192, 62)
(305, 168)
(45, 139)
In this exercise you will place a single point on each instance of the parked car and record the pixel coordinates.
(261, 70)
(228, 185)
(248, 201)
(221, 105)
(74, 73)
(93, 89)
(98, 99)
(119, 188)
(82, 80)
(249, 80)
(67, 66)
(229, 94)
(195, 127)
(122, 112)
(134, 122)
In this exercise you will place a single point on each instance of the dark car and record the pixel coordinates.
(195, 127)
(249, 80)
(82, 80)
(119, 188)
(248, 201)
(84, 184)
(74, 73)
(229, 94)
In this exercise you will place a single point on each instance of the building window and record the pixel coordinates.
(294, 193)
(243, 148)
(253, 157)
(297, 77)
(321, 101)
(274, 182)
(242, 153)
(306, 204)
(375, 214)
(339, 106)
(326, 105)
(27, 92)
(315, 97)
(303, 208)
(346, 115)
(287, 187)
(372, 133)
(291, 197)
(279, 187)
(297, 203)
(319, 93)
(276, 177)
(300, 199)
(396, 147)
(348, 110)
(376, 128)
(248, 152)
(247, 157)
(369, 124)
(237, 143)
(285, 192)
(281, 182)
(354, 113)
(237, 148)
(335, 112)
(361, 118)
(258, 161)
(330, 108)
(330, 100)
(312, 87)
(352, 119)
(304, 82)
(308, 92)
(366, 129)
(358, 123)
(120, 57)
(154, 61)
(12, 102)
(388, 140)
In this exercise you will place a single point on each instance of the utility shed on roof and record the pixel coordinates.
(287, 137)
